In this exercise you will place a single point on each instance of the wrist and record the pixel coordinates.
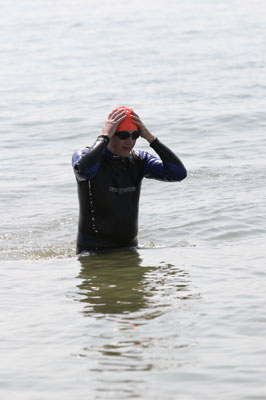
(106, 138)
(106, 132)
(149, 137)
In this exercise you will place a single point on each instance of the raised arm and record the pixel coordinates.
(169, 167)
(86, 161)
(166, 168)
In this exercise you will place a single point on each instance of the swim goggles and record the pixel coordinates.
(123, 135)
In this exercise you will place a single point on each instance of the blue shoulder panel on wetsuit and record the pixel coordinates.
(155, 168)
(89, 172)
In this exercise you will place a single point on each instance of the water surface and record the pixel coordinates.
(182, 317)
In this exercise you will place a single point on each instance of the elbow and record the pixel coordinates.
(176, 173)
(86, 173)
(183, 174)
(80, 169)
(179, 174)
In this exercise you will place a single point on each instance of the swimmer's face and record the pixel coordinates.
(122, 147)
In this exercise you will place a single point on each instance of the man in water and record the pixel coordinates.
(109, 176)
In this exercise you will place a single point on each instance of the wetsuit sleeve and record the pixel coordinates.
(168, 168)
(86, 161)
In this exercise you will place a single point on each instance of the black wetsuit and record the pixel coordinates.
(109, 189)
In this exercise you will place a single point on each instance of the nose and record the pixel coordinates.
(130, 138)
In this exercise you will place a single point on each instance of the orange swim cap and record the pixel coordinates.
(127, 124)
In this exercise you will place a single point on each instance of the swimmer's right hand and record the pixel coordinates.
(112, 122)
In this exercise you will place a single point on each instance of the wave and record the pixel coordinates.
(37, 254)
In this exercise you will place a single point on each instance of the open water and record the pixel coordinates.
(183, 317)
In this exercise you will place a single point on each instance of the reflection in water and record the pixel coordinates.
(112, 283)
(128, 304)
(117, 283)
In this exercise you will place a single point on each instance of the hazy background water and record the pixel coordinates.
(183, 317)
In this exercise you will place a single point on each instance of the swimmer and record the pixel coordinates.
(109, 176)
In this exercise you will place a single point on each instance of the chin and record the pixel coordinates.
(125, 153)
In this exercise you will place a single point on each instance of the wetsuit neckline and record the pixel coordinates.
(114, 156)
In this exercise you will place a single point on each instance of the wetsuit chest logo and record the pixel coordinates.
(122, 190)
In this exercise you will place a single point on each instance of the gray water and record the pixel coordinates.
(183, 317)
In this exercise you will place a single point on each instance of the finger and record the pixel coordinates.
(111, 114)
(118, 114)
(115, 112)
(116, 120)
(136, 120)
(119, 119)
(134, 114)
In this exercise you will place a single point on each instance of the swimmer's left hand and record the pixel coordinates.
(144, 132)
